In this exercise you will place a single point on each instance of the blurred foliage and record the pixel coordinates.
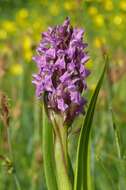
(21, 24)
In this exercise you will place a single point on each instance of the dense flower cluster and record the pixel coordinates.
(61, 63)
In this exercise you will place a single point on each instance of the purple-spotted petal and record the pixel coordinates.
(65, 77)
(61, 105)
(51, 53)
(60, 63)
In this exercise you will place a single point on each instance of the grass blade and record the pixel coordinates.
(82, 177)
(120, 166)
(117, 137)
(48, 154)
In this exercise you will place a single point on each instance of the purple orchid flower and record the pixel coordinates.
(61, 58)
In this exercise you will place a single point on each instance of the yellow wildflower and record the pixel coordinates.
(16, 69)
(117, 20)
(99, 42)
(99, 20)
(21, 17)
(108, 5)
(27, 43)
(122, 5)
(22, 14)
(92, 11)
(9, 26)
(28, 55)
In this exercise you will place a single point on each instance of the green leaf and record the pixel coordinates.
(118, 143)
(82, 179)
(48, 153)
(117, 136)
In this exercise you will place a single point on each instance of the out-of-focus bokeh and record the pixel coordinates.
(21, 24)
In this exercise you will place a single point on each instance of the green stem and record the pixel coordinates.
(61, 164)
(61, 154)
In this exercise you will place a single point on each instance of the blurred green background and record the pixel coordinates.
(21, 24)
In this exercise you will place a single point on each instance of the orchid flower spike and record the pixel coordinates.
(61, 59)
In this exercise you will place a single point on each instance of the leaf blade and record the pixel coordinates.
(82, 181)
(48, 154)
